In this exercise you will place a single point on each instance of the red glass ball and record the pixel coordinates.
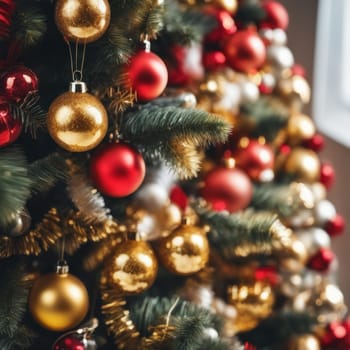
(276, 15)
(213, 60)
(321, 260)
(117, 169)
(316, 143)
(179, 197)
(335, 226)
(148, 75)
(69, 343)
(225, 25)
(245, 51)
(10, 128)
(327, 175)
(298, 69)
(257, 160)
(227, 189)
(16, 83)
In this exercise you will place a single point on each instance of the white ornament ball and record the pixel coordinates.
(324, 212)
(314, 238)
(318, 190)
(249, 91)
(279, 37)
(280, 57)
(152, 197)
(268, 80)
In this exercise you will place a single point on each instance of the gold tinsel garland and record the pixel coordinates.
(54, 226)
(123, 330)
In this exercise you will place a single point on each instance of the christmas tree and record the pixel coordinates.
(160, 184)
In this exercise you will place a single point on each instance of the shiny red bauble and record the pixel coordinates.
(245, 51)
(213, 60)
(322, 260)
(336, 336)
(225, 25)
(10, 128)
(227, 189)
(16, 83)
(117, 169)
(316, 143)
(69, 343)
(327, 175)
(256, 159)
(276, 15)
(148, 75)
(335, 226)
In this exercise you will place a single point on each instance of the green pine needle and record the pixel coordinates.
(15, 184)
(151, 125)
(30, 113)
(248, 231)
(46, 172)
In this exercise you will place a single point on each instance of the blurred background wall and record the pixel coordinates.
(301, 40)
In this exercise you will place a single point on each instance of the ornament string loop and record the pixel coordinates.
(76, 71)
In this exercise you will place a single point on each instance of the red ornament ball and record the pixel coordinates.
(316, 143)
(335, 226)
(10, 128)
(327, 175)
(148, 75)
(7, 9)
(16, 83)
(213, 60)
(337, 336)
(179, 197)
(245, 51)
(256, 159)
(321, 260)
(227, 189)
(298, 69)
(225, 25)
(69, 343)
(276, 15)
(117, 169)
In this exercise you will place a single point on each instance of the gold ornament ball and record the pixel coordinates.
(296, 89)
(294, 257)
(300, 128)
(228, 5)
(169, 218)
(132, 268)
(77, 121)
(303, 164)
(58, 301)
(253, 301)
(82, 21)
(185, 251)
(304, 342)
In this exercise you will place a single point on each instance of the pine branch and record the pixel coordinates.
(279, 328)
(13, 302)
(183, 25)
(268, 115)
(29, 23)
(46, 172)
(250, 12)
(30, 113)
(174, 135)
(152, 125)
(14, 183)
(240, 235)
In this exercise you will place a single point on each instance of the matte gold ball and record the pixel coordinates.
(303, 164)
(77, 122)
(132, 268)
(304, 342)
(82, 21)
(300, 128)
(185, 251)
(58, 301)
(253, 301)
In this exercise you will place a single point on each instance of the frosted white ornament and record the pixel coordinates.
(152, 196)
(249, 91)
(279, 37)
(280, 57)
(324, 212)
(314, 238)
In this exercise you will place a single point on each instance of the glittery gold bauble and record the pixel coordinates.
(82, 21)
(185, 251)
(228, 5)
(77, 121)
(300, 128)
(169, 218)
(253, 302)
(293, 258)
(303, 164)
(58, 301)
(296, 89)
(304, 342)
(132, 268)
